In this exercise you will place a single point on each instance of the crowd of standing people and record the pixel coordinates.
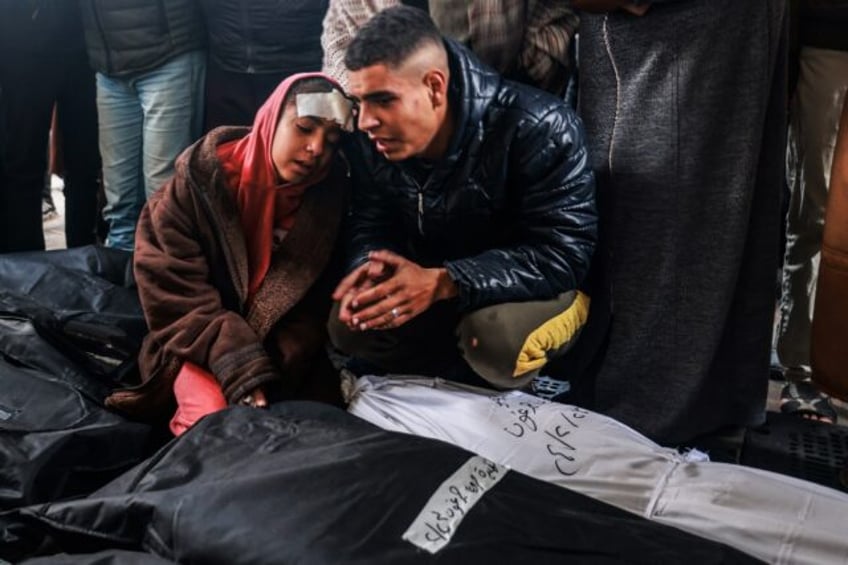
(496, 204)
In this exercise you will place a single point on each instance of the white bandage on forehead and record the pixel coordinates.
(327, 105)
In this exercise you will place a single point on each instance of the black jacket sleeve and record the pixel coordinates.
(557, 219)
(372, 223)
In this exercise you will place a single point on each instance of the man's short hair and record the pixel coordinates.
(390, 37)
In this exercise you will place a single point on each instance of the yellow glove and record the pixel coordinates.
(552, 335)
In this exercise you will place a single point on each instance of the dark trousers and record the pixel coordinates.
(31, 86)
(441, 343)
(232, 99)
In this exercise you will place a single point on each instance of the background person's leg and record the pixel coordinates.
(812, 136)
(77, 120)
(120, 128)
(29, 89)
(172, 98)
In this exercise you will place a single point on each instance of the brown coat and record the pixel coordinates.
(191, 268)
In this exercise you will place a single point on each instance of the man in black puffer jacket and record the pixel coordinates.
(151, 64)
(473, 209)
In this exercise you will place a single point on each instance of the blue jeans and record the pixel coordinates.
(146, 121)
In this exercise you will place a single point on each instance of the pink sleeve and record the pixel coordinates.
(198, 394)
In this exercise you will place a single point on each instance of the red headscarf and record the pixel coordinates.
(249, 170)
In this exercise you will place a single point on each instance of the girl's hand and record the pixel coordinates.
(255, 399)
